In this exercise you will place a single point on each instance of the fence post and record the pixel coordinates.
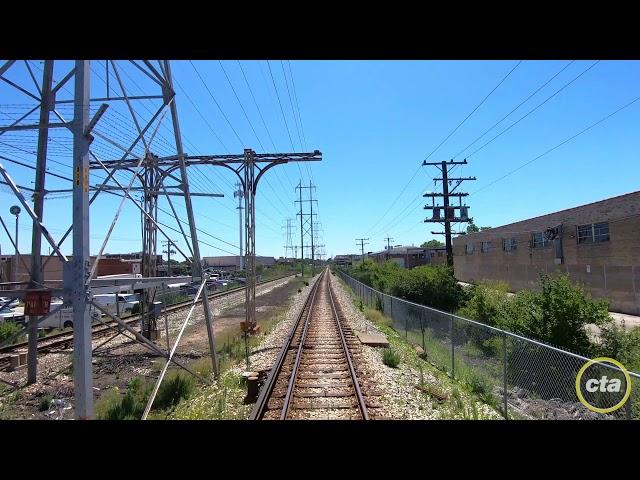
(453, 363)
(406, 323)
(504, 373)
(424, 345)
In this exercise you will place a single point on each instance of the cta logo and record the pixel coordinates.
(603, 385)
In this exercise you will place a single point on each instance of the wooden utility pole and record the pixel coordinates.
(388, 239)
(449, 210)
(362, 242)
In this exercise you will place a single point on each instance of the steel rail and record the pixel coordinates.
(305, 315)
(296, 366)
(362, 406)
(260, 407)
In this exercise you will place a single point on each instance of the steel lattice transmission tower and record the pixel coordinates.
(240, 195)
(88, 135)
(306, 223)
(288, 247)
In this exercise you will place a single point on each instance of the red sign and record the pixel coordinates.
(37, 303)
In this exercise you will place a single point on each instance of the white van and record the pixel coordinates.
(63, 318)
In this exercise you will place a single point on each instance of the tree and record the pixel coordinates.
(432, 244)
(472, 228)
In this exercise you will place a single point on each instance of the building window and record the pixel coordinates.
(468, 248)
(487, 246)
(593, 233)
(509, 244)
(440, 253)
(538, 240)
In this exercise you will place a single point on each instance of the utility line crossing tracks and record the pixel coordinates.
(316, 375)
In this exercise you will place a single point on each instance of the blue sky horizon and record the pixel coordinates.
(539, 136)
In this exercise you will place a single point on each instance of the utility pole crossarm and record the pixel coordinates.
(456, 179)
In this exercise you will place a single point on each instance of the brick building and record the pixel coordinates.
(231, 263)
(346, 260)
(597, 244)
(410, 257)
(53, 268)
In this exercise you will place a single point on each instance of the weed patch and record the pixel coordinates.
(391, 358)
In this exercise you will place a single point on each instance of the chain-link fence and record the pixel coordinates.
(520, 377)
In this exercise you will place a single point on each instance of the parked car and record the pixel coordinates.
(9, 314)
(7, 302)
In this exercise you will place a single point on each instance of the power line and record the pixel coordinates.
(241, 106)
(474, 110)
(442, 142)
(282, 111)
(535, 108)
(254, 132)
(516, 107)
(295, 120)
(295, 96)
(184, 92)
(558, 145)
(255, 102)
(308, 167)
(217, 104)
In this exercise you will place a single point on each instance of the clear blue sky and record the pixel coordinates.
(375, 122)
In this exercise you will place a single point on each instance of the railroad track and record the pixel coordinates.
(315, 376)
(63, 340)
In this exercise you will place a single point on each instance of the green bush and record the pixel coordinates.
(434, 286)
(45, 402)
(170, 298)
(174, 388)
(621, 345)
(130, 407)
(136, 309)
(7, 329)
(390, 358)
(485, 301)
(558, 314)
(480, 386)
